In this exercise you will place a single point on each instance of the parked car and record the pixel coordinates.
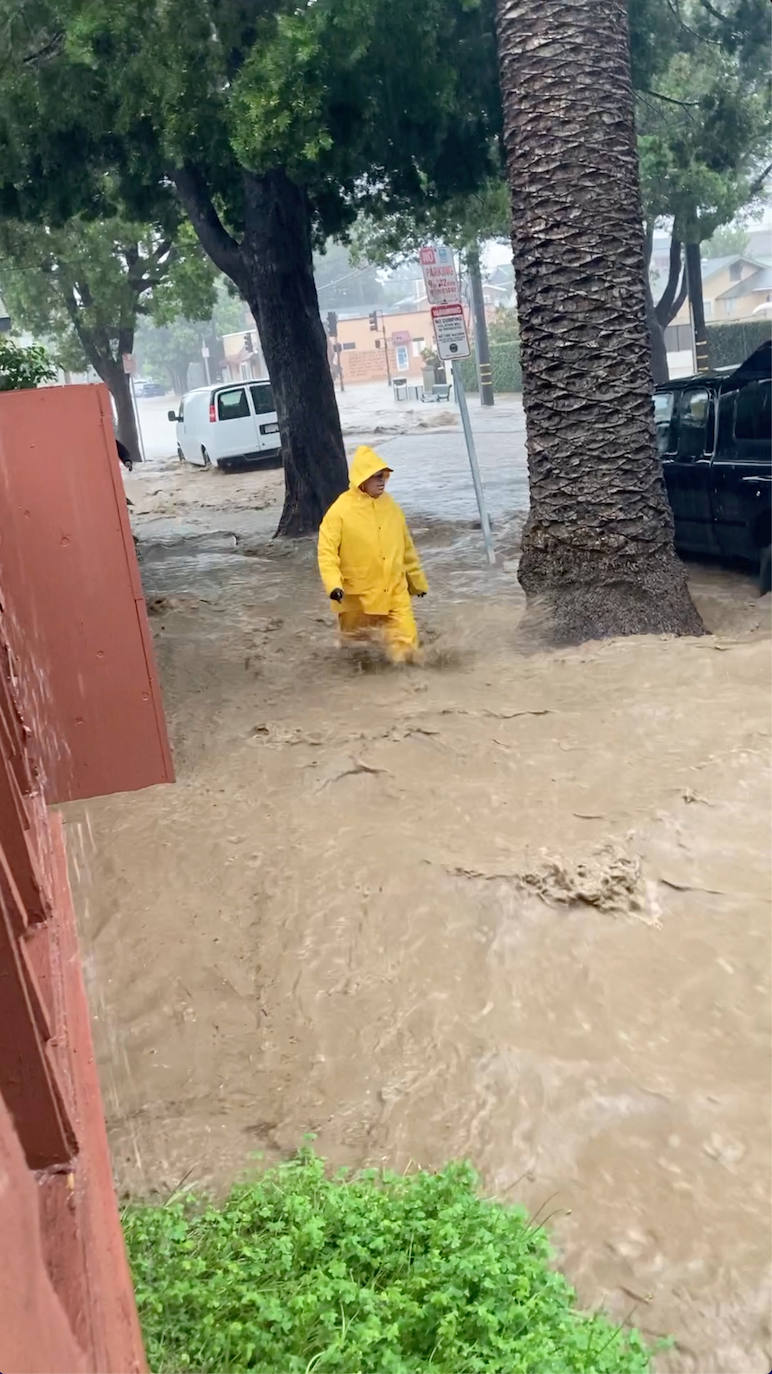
(228, 424)
(714, 433)
(145, 386)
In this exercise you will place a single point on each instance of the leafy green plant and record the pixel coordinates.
(372, 1273)
(22, 367)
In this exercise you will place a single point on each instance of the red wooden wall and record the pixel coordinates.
(76, 616)
(80, 714)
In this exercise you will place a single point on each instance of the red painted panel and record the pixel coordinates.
(74, 610)
(115, 1339)
(36, 1337)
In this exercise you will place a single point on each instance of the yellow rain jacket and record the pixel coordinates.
(365, 545)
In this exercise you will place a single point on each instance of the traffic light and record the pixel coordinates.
(332, 323)
(248, 346)
(374, 321)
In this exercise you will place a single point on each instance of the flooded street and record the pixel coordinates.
(505, 906)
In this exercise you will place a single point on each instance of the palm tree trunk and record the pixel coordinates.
(598, 556)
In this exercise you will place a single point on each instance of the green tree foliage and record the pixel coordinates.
(22, 367)
(462, 221)
(85, 285)
(167, 350)
(703, 117)
(273, 123)
(343, 281)
(726, 241)
(365, 1274)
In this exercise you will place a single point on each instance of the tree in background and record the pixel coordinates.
(727, 241)
(271, 123)
(703, 117)
(598, 556)
(167, 350)
(85, 286)
(343, 283)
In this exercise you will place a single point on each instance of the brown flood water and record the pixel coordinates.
(507, 907)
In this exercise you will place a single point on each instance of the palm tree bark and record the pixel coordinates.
(598, 556)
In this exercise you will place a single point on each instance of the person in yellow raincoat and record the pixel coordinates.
(368, 561)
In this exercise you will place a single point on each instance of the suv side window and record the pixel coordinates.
(663, 421)
(695, 415)
(752, 417)
(233, 405)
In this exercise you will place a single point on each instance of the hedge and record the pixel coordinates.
(505, 369)
(730, 344)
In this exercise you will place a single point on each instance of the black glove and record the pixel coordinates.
(337, 594)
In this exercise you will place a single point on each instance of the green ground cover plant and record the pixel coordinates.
(299, 1272)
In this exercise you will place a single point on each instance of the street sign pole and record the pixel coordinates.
(444, 296)
(473, 463)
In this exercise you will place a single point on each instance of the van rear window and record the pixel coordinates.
(233, 405)
(262, 398)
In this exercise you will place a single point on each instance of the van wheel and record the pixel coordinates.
(206, 458)
(765, 571)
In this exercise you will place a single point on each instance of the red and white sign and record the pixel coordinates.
(450, 332)
(401, 336)
(440, 277)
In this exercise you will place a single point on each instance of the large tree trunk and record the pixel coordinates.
(126, 424)
(272, 267)
(697, 305)
(481, 344)
(281, 293)
(598, 556)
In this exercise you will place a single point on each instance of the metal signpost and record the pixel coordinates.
(444, 296)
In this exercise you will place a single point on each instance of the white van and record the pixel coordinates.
(227, 424)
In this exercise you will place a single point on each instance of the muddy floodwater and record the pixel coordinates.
(506, 906)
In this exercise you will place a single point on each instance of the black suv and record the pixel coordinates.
(714, 433)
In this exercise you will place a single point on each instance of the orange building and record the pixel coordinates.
(363, 350)
(362, 353)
